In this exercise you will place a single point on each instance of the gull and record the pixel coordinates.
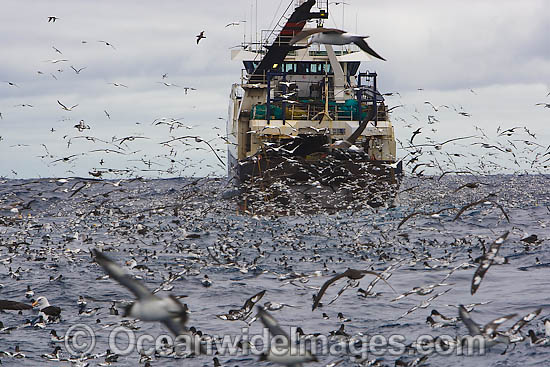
(118, 85)
(65, 107)
(187, 89)
(148, 307)
(429, 103)
(282, 352)
(415, 133)
(200, 36)
(55, 61)
(333, 36)
(81, 126)
(235, 23)
(107, 113)
(394, 107)
(130, 138)
(107, 44)
(352, 274)
(486, 261)
(57, 50)
(546, 105)
(439, 146)
(169, 84)
(78, 70)
(52, 19)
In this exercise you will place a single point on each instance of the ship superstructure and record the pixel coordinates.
(306, 102)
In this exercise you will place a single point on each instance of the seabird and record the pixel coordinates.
(56, 338)
(29, 293)
(47, 311)
(285, 353)
(6, 329)
(54, 356)
(333, 36)
(486, 261)
(200, 36)
(488, 332)
(352, 274)
(148, 307)
(78, 70)
(243, 312)
(52, 19)
(13, 305)
(65, 107)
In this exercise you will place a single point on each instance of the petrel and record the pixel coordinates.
(333, 36)
(148, 307)
(200, 36)
(488, 332)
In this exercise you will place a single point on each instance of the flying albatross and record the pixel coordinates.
(333, 36)
(148, 306)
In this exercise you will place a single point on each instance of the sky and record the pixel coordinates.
(489, 59)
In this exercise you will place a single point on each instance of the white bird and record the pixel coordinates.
(47, 311)
(333, 36)
(148, 306)
(65, 107)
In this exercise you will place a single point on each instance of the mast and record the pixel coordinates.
(280, 48)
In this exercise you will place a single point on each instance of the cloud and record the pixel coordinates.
(446, 48)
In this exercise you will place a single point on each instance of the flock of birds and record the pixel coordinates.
(179, 253)
(61, 239)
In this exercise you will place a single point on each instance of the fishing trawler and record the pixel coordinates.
(306, 129)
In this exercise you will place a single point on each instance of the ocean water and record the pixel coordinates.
(184, 227)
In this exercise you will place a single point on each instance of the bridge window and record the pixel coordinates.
(289, 68)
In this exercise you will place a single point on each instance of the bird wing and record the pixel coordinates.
(473, 328)
(118, 274)
(51, 310)
(480, 273)
(324, 288)
(491, 327)
(272, 324)
(524, 320)
(176, 325)
(13, 305)
(249, 303)
(465, 207)
(308, 32)
(62, 105)
(362, 44)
